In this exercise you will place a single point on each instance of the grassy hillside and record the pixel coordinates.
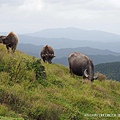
(28, 92)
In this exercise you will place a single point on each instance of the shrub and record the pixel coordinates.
(18, 68)
(39, 69)
(101, 77)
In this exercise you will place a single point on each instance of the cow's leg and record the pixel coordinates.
(70, 70)
(44, 59)
(7, 48)
(13, 49)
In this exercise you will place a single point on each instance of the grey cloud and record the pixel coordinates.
(40, 14)
(51, 1)
(11, 2)
(66, 1)
(86, 4)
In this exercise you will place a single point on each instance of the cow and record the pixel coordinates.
(81, 65)
(47, 54)
(11, 41)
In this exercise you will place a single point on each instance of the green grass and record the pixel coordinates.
(55, 95)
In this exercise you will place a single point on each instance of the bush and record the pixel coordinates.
(18, 68)
(101, 77)
(39, 70)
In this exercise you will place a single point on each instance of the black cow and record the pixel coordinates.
(81, 65)
(47, 54)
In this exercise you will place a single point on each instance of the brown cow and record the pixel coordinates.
(47, 54)
(11, 41)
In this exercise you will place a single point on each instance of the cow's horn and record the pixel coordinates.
(85, 73)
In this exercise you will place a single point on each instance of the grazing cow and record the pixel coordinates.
(81, 65)
(47, 54)
(11, 41)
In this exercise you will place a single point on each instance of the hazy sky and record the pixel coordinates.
(24, 16)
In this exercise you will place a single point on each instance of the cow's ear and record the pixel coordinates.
(43, 55)
(54, 56)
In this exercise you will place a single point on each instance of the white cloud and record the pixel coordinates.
(32, 5)
(11, 2)
(34, 15)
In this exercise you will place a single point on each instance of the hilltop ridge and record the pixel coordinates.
(28, 92)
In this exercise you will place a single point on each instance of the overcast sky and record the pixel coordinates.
(24, 16)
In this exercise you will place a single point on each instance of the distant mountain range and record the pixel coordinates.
(73, 37)
(77, 34)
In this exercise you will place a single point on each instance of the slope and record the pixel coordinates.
(29, 92)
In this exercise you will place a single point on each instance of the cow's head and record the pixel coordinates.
(2, 38)
(90, 76)
(49, 58)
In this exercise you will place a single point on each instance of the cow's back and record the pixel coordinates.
(77, 63)
(47, 50)
(12, 38)
(50, 50)
(77, 58)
